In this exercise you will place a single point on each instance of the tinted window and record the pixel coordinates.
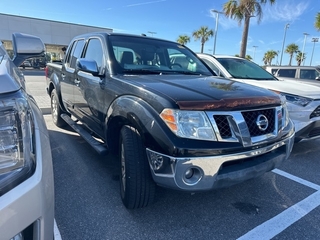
(287, 73)
(274, 70)
(94, 52)
(136, 54)
(308, 73)
(212, 66)
(75, 53)
(244, 69)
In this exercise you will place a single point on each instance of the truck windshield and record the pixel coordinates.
(133, 54)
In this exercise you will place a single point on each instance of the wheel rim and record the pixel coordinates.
(54, 108)
(123, 169)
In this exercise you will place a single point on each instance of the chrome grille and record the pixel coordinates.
(245, 126)
(223, 126)
(251, 119)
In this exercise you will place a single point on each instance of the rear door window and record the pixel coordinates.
(74, 53)
(308, 74)
(291, 73)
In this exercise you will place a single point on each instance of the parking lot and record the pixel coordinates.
(282, 204)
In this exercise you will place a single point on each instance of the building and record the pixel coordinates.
(54, 34)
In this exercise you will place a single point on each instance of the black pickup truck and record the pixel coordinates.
(171, 121)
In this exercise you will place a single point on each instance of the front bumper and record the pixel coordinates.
(206, 173)
(29, 207)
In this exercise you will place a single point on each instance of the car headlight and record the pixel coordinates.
(285, 114)
(189, 124)
(298, 100)
(16, 141)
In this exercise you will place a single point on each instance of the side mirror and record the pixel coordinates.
(26, 46)
(318, 78)
(89, 66)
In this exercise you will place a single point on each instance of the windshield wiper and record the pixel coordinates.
(142, 71)
(187, 73)
(252, 78)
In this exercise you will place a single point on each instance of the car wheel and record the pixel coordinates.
(56, 110)
(137, 187)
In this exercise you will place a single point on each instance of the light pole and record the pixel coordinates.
(314, 40)
(216, 29)
(254, 51)
(152, 33)
(304, 44)
(284, 39)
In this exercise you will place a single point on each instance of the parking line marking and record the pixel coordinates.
(57, 235)
(279, 223)
(296, 179)
(283, 220)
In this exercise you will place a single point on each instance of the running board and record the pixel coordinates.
(96, 145)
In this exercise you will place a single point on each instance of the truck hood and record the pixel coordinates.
(295, 88)
(205, 93)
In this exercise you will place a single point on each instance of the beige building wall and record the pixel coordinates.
(54, 34)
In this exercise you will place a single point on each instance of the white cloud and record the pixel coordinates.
(224, 22)
(262, 42)
(144, 3)
(285, 10)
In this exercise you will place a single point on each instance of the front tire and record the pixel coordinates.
(56, 110)
(137, 188)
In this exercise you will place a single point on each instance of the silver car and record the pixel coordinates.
(26, 173)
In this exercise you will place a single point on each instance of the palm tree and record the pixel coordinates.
(183, 39)
(248, 57)
(317, 22)
(269, 56)
(300, 57)
(244, 10)
(292, 49)
(204, 33)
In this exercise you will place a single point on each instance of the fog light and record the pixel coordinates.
(189, 173)
(192, 176)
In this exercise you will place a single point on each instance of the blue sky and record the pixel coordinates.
(170, 18)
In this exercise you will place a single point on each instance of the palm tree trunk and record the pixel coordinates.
(290, 59)
(245, 33)
(202, 45)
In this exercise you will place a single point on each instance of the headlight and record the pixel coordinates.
(285, 114)
(302, 101)
(16, 145)
(189, 124)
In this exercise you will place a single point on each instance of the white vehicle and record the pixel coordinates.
(304, 74)
(26, 173)
(303, 100)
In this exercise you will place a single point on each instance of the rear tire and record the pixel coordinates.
(56, 110)
(137, 188)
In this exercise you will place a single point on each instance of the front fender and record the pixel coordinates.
(131, 110)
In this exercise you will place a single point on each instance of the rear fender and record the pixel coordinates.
(55, 84)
